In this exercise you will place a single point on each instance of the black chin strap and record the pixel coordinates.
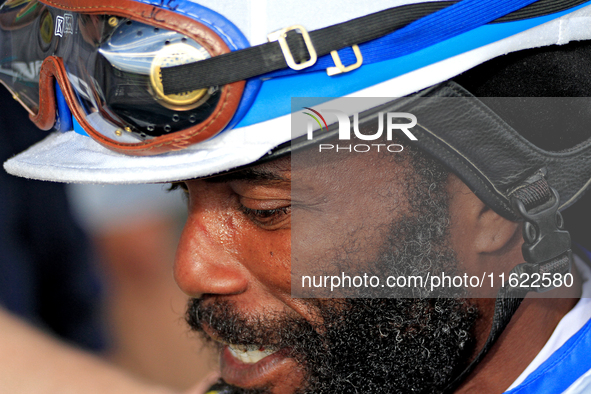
(508, 300)
(546, 250)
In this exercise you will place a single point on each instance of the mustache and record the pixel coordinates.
(222, 318)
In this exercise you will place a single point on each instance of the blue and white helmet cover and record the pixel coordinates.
(430, 50)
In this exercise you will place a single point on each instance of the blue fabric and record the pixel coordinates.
(63, 115)
(78, 127)
(562, 369)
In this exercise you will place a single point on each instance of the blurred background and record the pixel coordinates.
(134, 231)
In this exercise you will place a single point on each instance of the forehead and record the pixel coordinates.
(272, 172)
(309, 171)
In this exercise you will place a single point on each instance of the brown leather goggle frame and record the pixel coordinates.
(53, 69)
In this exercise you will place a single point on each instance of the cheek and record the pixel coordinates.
(267, 256)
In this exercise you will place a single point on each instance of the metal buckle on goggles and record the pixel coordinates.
(106, 57)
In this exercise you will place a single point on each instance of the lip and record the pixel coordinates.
(255, 375)
(275, 370)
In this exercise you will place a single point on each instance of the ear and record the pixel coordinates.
(477, 230)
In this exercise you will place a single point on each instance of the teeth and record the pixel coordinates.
(250, 354)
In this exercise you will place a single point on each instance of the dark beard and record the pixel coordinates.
(373, 345)
(366, 345)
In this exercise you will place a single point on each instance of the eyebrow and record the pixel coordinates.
(251, 175)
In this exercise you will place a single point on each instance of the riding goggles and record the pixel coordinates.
(106, 60)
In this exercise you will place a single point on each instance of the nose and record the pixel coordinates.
(207, 258)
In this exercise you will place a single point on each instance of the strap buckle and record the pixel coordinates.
(281, 37)
(547, 246)
(339, 68)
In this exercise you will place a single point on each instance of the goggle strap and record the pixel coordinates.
(267, 58)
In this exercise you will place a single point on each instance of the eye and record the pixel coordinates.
(267, 218)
